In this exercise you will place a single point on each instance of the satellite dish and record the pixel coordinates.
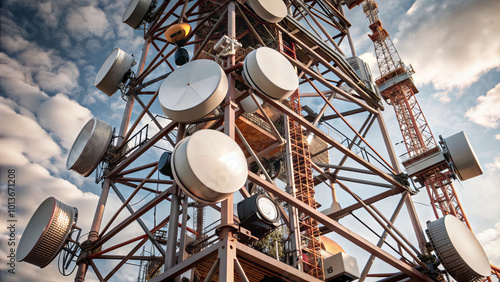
(89, 147)
(270, 72)
(46, 232)
(259, 214)
(458, 249)
(193, 91)
(272, 11)
(209, 166)
(466, 164)
(136, 12)
(114, 71)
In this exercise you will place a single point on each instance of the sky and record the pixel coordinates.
(50, 52)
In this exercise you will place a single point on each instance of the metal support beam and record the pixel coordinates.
(139, 220)
(381, 241)
(319, 133)
(340, 229)
(419, 232)
(189, 263)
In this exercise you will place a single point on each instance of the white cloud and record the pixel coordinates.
(497, 137)
(490, 240)
(49, 12)
(63, 117)
(25, 137)
(86, 21)
(487, 111)
(432, 38)
(494, 166)
(63, 78)
(442, 96)
(14, 43)
(18, 83)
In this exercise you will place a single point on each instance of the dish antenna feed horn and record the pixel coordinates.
(51, 231)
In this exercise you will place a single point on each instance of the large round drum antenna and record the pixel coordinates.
(114, 72)
(46, 233)
(272, 11)
(270, 72)
(89, 147)
(193, 90)
(465, 162)
(209, 166)
(136, 12)
(458, 249)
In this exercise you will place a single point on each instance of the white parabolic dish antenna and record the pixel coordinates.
(270, 72)
(136, 12)
(113, 70)
(463, 156)
(458, 249)
(209, 166)
(272, 11)
(193, 90)
(89, 147)
(46, 232)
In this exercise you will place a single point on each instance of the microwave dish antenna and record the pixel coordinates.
(464, 160)
(458, 249)
(209, 166)
(89, 147)
(47, 232)
(137, 12)
(270, 11)
(270, 72)
(193, 91)
(115, 72)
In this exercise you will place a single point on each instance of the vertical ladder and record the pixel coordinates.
(312, 261)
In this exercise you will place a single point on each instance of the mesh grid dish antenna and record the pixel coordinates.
(47, 232)
(193, 90)
(114, 72)
(458, 249)
(136, 12)
(89, 147)
(209, 166)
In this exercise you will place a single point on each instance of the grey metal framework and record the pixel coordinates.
(348, 122)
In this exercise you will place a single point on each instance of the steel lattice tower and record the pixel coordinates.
(373, 189)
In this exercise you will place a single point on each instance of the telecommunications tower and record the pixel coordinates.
(248, 151)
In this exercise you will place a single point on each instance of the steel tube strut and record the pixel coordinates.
(339, 229)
